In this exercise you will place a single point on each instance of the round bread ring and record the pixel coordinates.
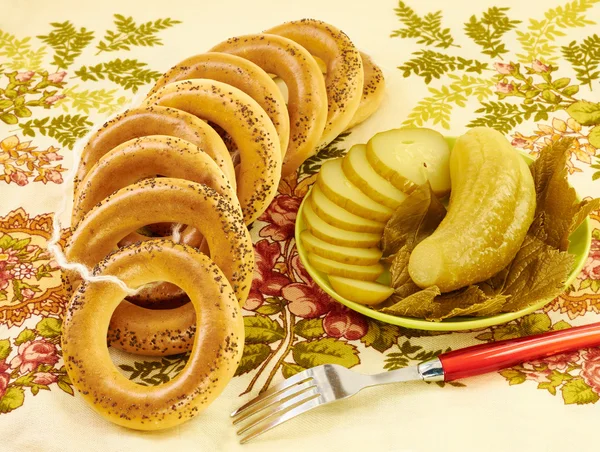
(169, 200)
(216, 352)
(307, 95)
(144, 157)
(154, 120)
(238, 72)
(373, 91)
(248, 125)
(344, 78)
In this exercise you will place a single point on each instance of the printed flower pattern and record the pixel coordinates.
(291, 323)
(266, 281)
(281, 216)
(32, 354)
(29, 278)
(21, 163)
(31, 361)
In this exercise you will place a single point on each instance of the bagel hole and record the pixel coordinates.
(146, 369)
(283, 88)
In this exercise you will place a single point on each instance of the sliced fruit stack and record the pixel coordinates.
(355, 196)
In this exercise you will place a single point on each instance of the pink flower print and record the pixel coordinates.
(24, 271)
(32, 354)
(27, 293)
(44, 378)
(504, 69)
(281, 215)
(24, 76)
(57, 77)
(539, 67)
(53, 99)
(19, 178)
(504, 88)
(9, 256)
(54, 176)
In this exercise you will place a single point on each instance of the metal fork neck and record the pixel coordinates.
(431, 370)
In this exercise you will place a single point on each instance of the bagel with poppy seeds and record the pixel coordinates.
(215, 355)
(248, 125)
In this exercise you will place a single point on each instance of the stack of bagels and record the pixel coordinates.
(166, 162)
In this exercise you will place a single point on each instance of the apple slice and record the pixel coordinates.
(362, 272)
(345, 254)
(360, 172)
(337, 236)
(337, 216)
(409, 157)
(363, 292)
(336, 186)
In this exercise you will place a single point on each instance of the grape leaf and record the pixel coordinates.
(416, 218)
(537, 272)
(430, 304)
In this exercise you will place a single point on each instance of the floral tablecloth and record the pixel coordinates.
(530, 69)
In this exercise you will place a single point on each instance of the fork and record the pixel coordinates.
(331, 382)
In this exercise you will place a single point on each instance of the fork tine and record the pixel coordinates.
(284, 385)
(302, 407)
(286, 405)
(280, 397)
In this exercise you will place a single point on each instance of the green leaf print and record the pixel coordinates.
(289, 370)
(585, 113)
(66, 129)
(427, 29)
(488, 31)
(381, 336)
(13, 398)
(585, 59)
(555, 380)
(5, 348)
(331, 151)
(67, 42)
(430, 64)
(25, 336)
(86, 101)
(537, 42)
(437, 108)
(594, 137)
(325, 351)
(19, 54)
(49, 327)
(153, 373)
(130, 74)
(254, 355)
(261, 329)
(513, 376)
(578, 392)
(309, 328)
(129, 34)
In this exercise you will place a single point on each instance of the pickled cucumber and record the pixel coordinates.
(492, 204)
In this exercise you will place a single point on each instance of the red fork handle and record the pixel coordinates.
(484, 358)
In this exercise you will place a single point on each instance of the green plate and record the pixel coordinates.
(580, 242)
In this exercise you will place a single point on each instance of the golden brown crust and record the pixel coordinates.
(373, 91)
(307, 96)
(145, 157)
(154, 120)
(170, 200)
(240, 73)
(215, 355)
(141, 158)
(246, 122)
(344, 78)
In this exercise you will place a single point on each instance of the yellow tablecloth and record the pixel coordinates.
(68, 64)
